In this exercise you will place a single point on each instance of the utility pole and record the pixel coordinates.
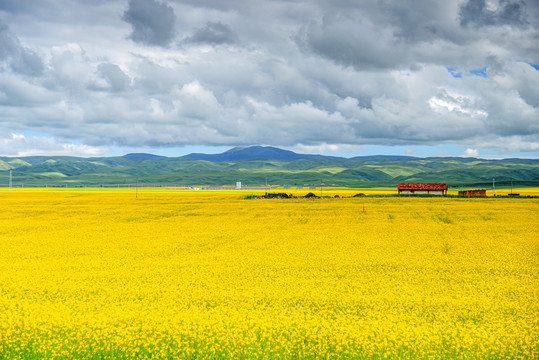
(10, 180)
(136, 190)
(493, 187)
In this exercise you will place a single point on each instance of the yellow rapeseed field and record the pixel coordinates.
(209, 275)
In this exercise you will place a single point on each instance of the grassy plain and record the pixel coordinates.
(179, 274)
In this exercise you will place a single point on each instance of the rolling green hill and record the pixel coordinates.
(259, 170)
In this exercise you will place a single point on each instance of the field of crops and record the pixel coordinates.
(206, 275)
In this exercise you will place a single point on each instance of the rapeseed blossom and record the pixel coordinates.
(210, 275)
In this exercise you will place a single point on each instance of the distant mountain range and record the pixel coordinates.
(259, 165)
(253, 153)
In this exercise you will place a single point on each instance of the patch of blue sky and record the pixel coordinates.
(453, 71)
(535, 66)
(30, 133)
(479, 72)
(419, 151)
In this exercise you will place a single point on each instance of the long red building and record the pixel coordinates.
(423, 188)
(477, 192)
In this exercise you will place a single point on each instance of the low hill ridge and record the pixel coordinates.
(142, 155)
(259, 165)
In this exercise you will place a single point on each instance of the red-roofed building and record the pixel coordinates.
(478, 192)
(423, 188)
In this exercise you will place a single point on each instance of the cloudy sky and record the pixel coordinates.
(340, 77)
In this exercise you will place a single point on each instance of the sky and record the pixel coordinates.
(341, 77)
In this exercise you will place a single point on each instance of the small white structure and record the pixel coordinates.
(238, 185)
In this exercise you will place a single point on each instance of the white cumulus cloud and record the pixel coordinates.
(20, 145)
(470, 153)
(163, 73)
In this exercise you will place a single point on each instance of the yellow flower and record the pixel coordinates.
(180, 274)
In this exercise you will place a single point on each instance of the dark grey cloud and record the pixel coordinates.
(15, 5)
(18, 93)
(20, 59)
(351, 42)
(8, 43)
(383, 35)
(114, 76)
(153, 22)
(429, 22)
(213, 33)
(504, 12)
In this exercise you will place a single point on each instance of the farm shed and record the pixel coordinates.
(423, 188)
(477, 192)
